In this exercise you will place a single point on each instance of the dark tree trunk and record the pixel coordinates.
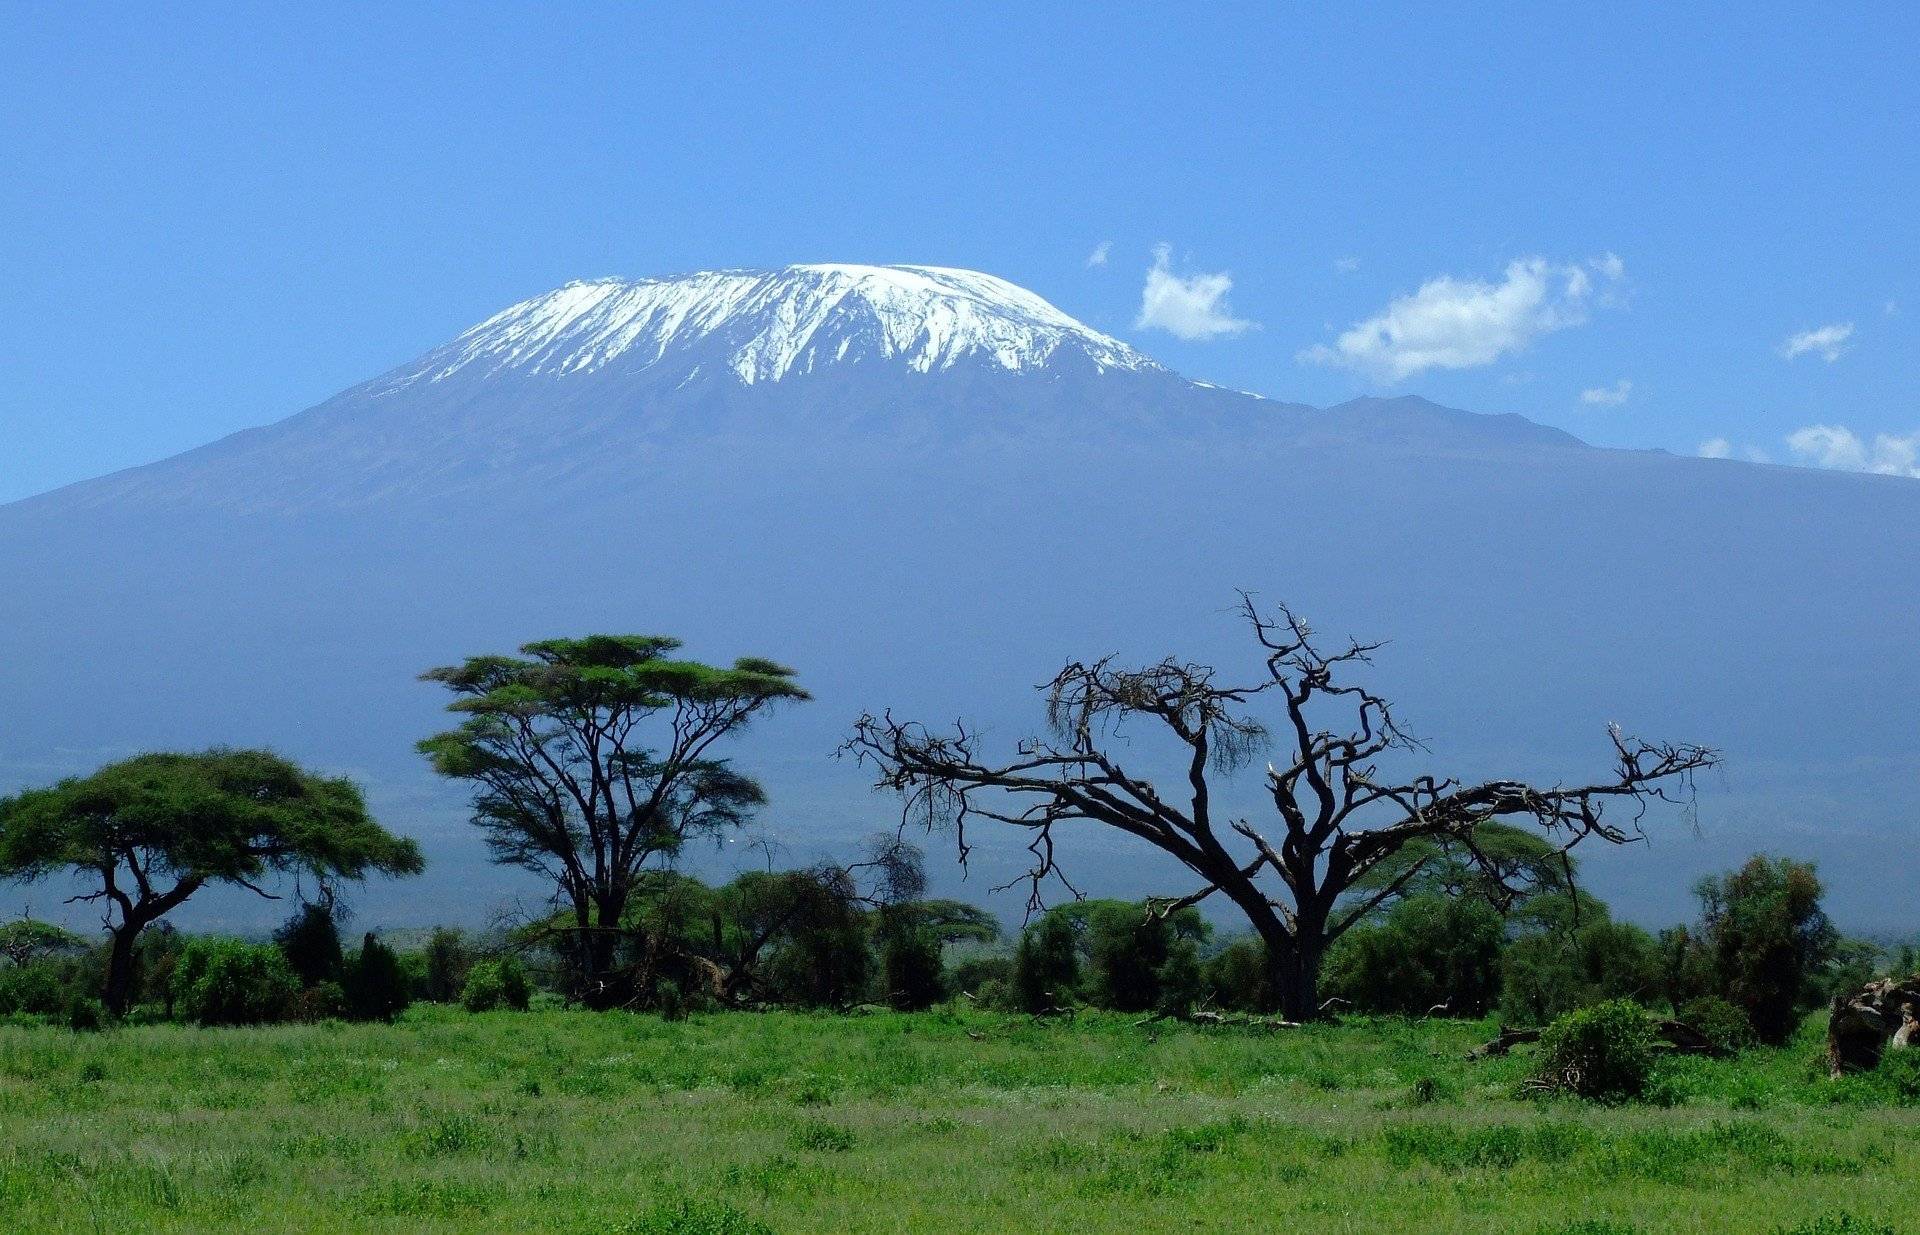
(1295, 974)
(118, 995)
(604, 987)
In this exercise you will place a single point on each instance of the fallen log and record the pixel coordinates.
(1207, 1016)
(1503, 1042)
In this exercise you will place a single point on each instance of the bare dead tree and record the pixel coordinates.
(1339, 816)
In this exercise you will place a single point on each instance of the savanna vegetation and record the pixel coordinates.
(1400, 1010)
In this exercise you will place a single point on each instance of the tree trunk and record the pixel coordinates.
(118, 995)
(1294, 971)
(604, 987)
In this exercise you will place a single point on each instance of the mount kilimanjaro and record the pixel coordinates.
(927, 488)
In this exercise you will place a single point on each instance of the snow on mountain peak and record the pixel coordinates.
(763, 325)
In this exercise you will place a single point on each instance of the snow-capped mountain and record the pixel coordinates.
(582, 383)
(763, 325)
(926, 489)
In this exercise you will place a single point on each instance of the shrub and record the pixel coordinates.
(448, 962)
(1429, 951)
(1565, 968)
(1898, 1076)
(1132, 949)
(310, 940)
(1046, 965)
(493, 985)
(911, 965)
(1727, 1027)
(376, 988)
(85, 1014)
(323, 1001)
(1604, 1053)
(34, 990)
(232, 982)
(975, 972)
(1236, 976)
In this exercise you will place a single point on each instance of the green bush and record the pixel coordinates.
(1898, 1076)
(323, 1001)
(1568, 967)
(35, 990)
(1237, 977)
(912, 968)
(232, 982)
(1725, 1025)
(971, 974)
(496, 984)
(445, 967)
(376, 987)
(1604, 1053)
(1046, 965)
(310, 940)
(1428, 952)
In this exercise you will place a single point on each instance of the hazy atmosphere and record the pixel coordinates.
(1383, 534)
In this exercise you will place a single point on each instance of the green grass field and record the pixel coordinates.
(565, 1121)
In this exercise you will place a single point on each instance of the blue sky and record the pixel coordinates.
(210, 219)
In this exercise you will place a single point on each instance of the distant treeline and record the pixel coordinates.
(1761, 954)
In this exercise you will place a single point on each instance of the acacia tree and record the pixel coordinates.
(592, 759)
(153, 830)
(1340, 816)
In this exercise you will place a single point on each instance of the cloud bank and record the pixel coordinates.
(1836, 446)
(1455, 323)
(1194, 307)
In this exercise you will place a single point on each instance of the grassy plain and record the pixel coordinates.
(739, 1124)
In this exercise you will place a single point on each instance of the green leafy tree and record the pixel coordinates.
(593, 759)
(1766, 940)
(151, 831)
(1236, 976)
(28, 940)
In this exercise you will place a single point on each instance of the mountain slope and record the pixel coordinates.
(932, 518)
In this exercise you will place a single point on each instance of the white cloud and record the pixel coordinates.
(1827, 342)
(1100, 253)
(1608, 396)
(1721, 448)
(1191, 308)
(1839, 447)
(1465, 323)
(1346, 265)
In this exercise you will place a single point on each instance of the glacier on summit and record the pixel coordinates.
(768, 324)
